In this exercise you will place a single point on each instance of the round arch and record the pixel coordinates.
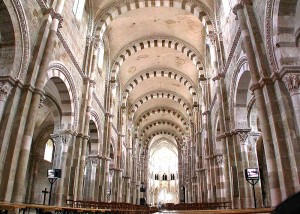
(176, 126)
(97, 122)
(158, 110)
(22, 44)
(60, 72)
(140, 77)
(177, 138)
(117, 8)
(160, 94)
(159, 42)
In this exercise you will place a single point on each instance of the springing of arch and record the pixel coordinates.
(158, 110)
(57, 69)
(160, 94)
(172, 43)
(112, 11)
(137, 79)
(164, 132)
(161, 123)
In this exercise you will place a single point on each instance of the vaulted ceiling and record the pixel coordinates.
(157, 51)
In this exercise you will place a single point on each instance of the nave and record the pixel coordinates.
(149, 102)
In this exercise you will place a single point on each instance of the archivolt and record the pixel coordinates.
(171, 43)
(159, 73)
(118, 8)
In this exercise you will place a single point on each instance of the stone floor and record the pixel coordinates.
(262, 211)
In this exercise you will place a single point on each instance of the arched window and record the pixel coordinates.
(78, 7)
(165, 177)
(172, 177)
(48, 151)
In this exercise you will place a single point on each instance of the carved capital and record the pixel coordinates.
(5, 89)
(219, 160)
(42, 99)
(211, 39)
(65, 136)
(94, 160)
(242, 136)
(292, 82)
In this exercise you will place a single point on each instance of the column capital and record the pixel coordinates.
(240, 5)
(65, 136)
(219, 76)
(202, 78)
(242, 136)
(219, 159)
(5, 89)
(211, 39)
(292, 82)
(55, 15)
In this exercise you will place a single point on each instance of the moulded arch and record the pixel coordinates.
(22, 39)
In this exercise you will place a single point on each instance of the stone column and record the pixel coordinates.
(118, 176)
(138, 179)
(90, 85)
(20, 176)
(127, 179)
(180, 169)
(292, 83)
(219, 176)
(92, 162)
(61, 141)
(105, 153)
(274, 178)
(5, 89)
(226, 139)
(240, 138)
(97, 178)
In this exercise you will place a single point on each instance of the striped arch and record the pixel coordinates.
(161, 94)
(282, 35)
(158, 110)
(51, 103)
(159, 73)
(112, 11)
(161, 122)
(164, 132)
(171, 43)
(242, 66)
(95, 129)
(58, 70)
